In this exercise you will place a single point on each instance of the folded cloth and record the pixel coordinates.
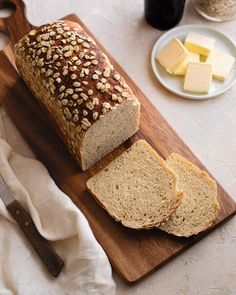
(87, 269)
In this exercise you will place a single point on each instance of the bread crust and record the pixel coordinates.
(154, 225)
(72, 78)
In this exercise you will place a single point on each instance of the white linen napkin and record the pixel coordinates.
(87, 269)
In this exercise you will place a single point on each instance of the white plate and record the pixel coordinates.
(175, 83)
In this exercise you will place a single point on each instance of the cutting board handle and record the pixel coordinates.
(17, 24)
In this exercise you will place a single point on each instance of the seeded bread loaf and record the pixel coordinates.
(94, 110)
(199, 206)
(137, 188)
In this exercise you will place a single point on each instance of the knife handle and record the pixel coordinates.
(50, 258)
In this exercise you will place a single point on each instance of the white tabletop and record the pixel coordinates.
(208, 128)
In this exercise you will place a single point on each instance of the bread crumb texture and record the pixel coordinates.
(199, 206)
(137, 188)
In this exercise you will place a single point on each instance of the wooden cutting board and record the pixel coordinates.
(132, 253)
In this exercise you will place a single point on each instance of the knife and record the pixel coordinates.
(49, 257)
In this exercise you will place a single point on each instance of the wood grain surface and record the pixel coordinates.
(132, 253)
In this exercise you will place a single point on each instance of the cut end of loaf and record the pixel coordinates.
(137, 188)
(109, 132)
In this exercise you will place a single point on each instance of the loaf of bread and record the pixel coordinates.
(137, 188)
(199, 206)
(92, 107)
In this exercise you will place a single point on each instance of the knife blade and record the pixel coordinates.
(49, 257)
(5, 193)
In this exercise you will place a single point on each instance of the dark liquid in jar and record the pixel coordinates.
(164, 14)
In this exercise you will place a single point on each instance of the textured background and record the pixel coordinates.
(208, 127)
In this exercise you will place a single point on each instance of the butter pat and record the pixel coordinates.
(171, 55)
(198, 77)
(199, 44)
(182, 67)
(222, 64)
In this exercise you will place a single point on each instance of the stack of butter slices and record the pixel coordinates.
(197, 59)
(142, 191)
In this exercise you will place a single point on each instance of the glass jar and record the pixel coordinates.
(216, 10)
(163, 14)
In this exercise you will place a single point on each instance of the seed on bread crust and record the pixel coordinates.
(74, 72)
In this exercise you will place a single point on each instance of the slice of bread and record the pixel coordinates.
(137, 188)
(199, 206)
